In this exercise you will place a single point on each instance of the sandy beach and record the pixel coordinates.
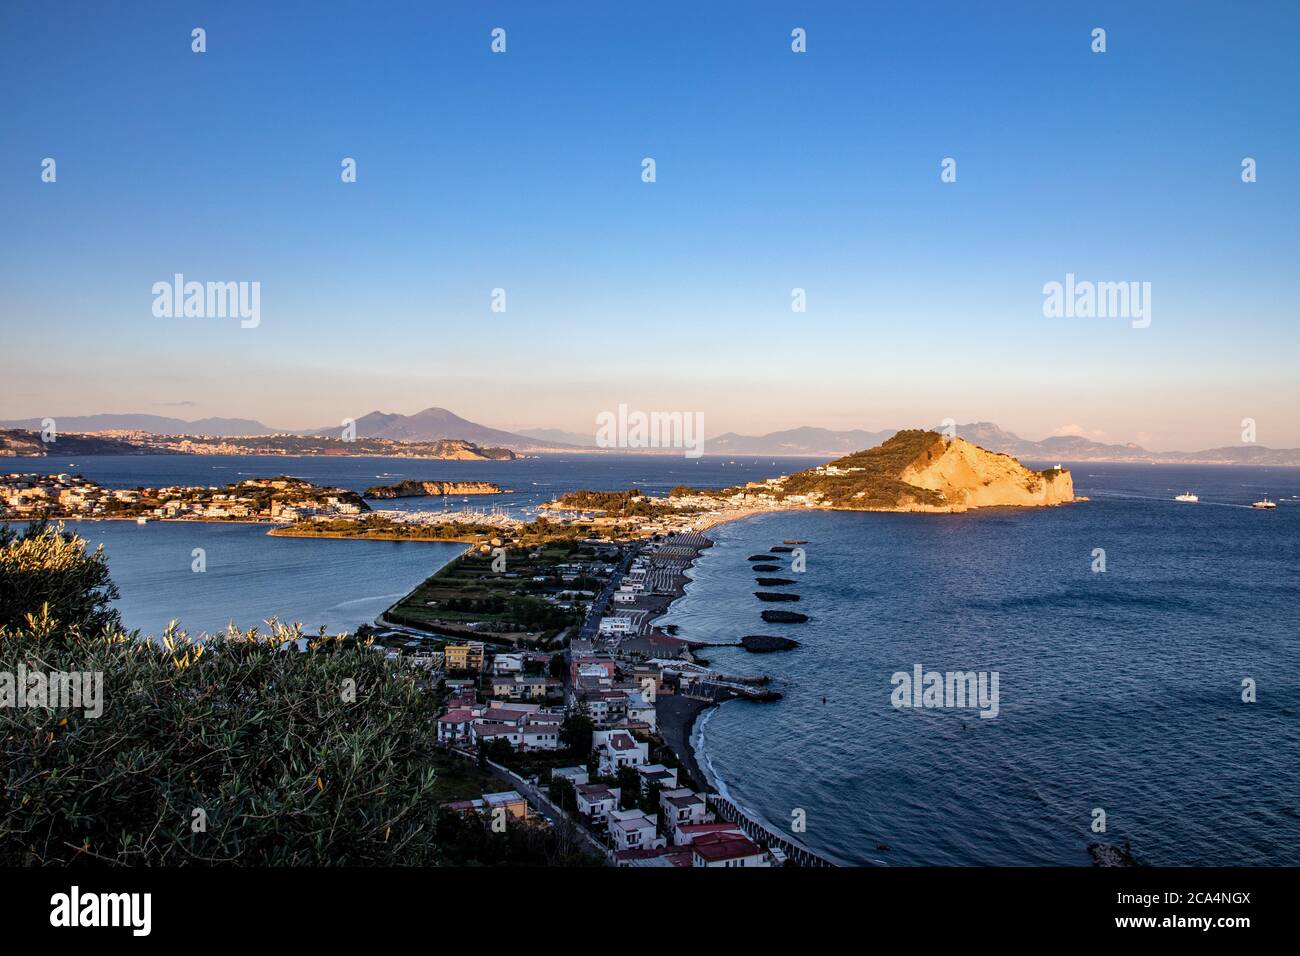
(677, 716)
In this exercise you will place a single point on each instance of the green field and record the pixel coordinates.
(468, 590)
(461, 779)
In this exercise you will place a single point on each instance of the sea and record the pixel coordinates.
(1122, 714)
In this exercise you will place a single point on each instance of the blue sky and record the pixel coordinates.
(775, 170)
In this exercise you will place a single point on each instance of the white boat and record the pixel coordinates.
(1264, 504)
(142, 520)
(1188, 496)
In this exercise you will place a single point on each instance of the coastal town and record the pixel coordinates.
(29, 443)
(591, 731)
(282, 500)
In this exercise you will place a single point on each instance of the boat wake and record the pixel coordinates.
(1128, 497)
(365, 600)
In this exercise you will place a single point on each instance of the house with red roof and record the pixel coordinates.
(680, 856)
(454, 726)
(727, 850)
(685, 834)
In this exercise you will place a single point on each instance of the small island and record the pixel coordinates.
(418, 489)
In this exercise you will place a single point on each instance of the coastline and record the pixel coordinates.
(677, 716)
(132, 518)
(681, 727)
(275, 530)
(290, 533)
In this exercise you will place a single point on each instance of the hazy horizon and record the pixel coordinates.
(775, 171)
(189, 414)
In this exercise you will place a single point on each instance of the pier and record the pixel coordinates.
(719, 690)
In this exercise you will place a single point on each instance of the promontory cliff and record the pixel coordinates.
(915, 470)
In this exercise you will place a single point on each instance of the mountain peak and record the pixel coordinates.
(433, 423)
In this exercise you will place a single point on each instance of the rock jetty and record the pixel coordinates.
(784, 617)
(767, 643)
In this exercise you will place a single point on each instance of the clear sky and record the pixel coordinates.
(775, 170)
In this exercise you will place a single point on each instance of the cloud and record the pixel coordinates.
(184, 404)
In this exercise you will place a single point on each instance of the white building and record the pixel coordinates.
(653, 773)
(540, 736)
(683, 807)
(615, 625)
(638, 708)
(575, 775)
(633, 830)
(508, 663)
(596, 801)
(454, 726)
(618, 748)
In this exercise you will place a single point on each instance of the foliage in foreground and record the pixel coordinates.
(237, 749)
(46, 566)
(471, 841)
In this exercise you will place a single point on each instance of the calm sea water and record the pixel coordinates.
(251, 577)
(1119, 691)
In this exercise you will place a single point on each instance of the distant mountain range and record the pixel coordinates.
(428, 425)
(154, 424)
(822, 442)
(435, 423)
(804, 442)
(558, 437)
